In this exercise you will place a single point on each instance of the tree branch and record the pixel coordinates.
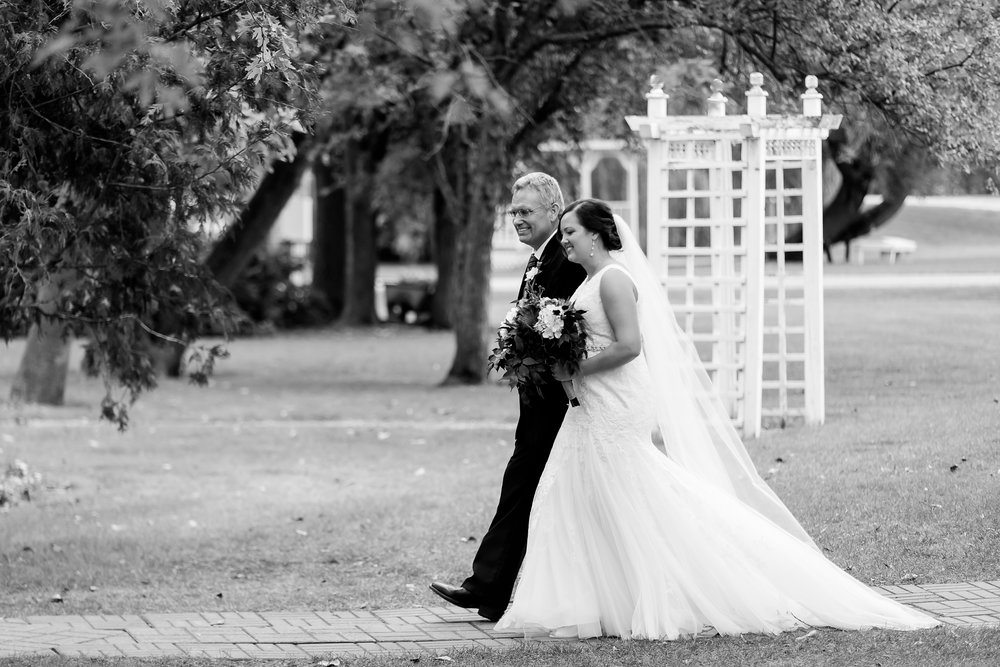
(551, 103)
(956, 65)
(204, 19)
(593, 36)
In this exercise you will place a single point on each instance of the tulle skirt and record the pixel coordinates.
(624, 542)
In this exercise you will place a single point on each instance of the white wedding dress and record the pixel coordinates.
(625, 541)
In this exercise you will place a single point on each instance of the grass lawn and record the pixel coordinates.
(329, 470)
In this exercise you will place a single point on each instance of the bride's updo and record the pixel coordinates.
(596, 216)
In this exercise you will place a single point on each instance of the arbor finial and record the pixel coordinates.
(812, 100)
(756, 96)
(656, 99)
(717, 101)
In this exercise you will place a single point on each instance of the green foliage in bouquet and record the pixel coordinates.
(538, 333)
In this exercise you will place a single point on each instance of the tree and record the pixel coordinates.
(129, 129)
(916, 81)
(491, 78)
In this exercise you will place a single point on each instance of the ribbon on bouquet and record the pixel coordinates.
(567, 386)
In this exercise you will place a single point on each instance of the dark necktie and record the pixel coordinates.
(532, 263)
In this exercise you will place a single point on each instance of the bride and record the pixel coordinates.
(627, 542)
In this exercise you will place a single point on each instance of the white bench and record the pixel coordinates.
(882, 246)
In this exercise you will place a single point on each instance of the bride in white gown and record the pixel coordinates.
(624, 541)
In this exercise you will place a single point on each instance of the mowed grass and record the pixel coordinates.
(330, 470)
(235, 497)
(229, 497)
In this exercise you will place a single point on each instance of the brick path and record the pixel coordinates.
(421, 631)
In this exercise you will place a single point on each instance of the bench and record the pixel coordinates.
(890, 247)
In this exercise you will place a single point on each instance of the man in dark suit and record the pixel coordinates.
(536, 204)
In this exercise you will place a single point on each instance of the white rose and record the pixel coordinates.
(550, 323)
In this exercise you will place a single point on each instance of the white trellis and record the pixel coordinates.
(726, 197)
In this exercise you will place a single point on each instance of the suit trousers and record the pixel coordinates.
(498, 560)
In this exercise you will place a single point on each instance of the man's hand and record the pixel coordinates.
(562, 373)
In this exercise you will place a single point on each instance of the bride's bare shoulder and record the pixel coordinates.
(616, 283)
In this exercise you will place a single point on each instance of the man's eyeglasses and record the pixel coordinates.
(522, 212)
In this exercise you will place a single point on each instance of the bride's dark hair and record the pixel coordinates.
(596, 216)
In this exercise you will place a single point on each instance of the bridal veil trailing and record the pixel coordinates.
(695, 425)
(627, 542)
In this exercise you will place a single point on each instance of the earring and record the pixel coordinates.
(593, 242)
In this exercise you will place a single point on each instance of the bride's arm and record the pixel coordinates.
(618, 297)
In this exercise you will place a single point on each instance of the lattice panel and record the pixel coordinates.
(783, 385)
(699, 246)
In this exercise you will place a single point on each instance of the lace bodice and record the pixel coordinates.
(588, 297)
(613, 401)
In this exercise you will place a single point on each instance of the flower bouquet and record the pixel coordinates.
(538, 333)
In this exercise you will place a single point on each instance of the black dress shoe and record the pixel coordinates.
(456, 595)
(461, 597)
(490, 614)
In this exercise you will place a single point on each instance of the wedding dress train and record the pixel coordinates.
(625, 541)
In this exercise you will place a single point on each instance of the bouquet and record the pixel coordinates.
(538, 333)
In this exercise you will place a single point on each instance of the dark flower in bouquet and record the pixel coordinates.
(538, 333)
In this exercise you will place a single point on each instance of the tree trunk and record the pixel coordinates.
(857, 172)
(467, 169)
(472, 272)
(167, 356)
(233, 251)
(41, 375)
(444, 259)
(896, 189)
(329, 247)
(359, 301)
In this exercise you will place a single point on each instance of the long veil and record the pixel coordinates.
(695, 426)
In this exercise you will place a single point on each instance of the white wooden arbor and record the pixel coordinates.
(724, 193)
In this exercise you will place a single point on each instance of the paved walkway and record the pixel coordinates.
(421, 631)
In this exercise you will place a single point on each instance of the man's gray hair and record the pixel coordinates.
(546, 186)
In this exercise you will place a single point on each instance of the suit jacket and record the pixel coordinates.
(558, 278)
